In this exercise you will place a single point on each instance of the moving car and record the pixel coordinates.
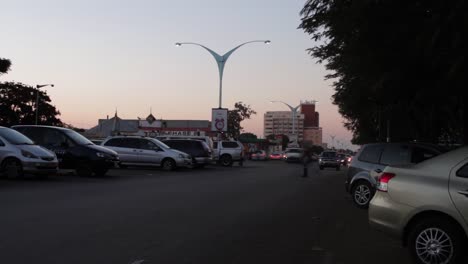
(294, 154)
(146, 151)
(259, 155)
(371, 160)
(73, 150)
(276, 156)
(20, 155)
(329, 159)
(227, 152)
(343, 159)
(197, 149)
(426, 207)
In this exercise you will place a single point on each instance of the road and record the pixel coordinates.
(264, 212)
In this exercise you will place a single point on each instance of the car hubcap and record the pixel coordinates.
(167, 165)
(362, 194)
(433, 246)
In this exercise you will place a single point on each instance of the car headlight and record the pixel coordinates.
(28, 154)
(320, 159)
(182, 156)
(100, 154)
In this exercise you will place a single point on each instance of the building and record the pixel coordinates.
(307, 123)
(280, 123)
(149, 126)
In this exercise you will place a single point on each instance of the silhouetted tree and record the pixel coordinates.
(4, 65)
(240, 112)
(17, 106)
(397, 65)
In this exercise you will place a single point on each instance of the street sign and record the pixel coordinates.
(219, 119)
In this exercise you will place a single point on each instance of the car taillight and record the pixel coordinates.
(383, 181)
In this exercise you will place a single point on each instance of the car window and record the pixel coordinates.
(394, 154)
(54, 138)
(229, 144)
(147, 145)
(113, 142)
(130, 143)
(421, 154)
(329, 154)
(1, 143)
(15, 137)
(78, 138)
(371, 154)
(463, 171)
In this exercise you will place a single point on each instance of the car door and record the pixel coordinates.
(56, 141)
(129, 147)
(120, 145)
(458, 187)
(149, 153)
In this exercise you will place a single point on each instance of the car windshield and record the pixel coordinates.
(329, 154)
(294, 151)
(78, 138)
(14, 137)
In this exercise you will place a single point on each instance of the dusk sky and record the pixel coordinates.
(102, 55)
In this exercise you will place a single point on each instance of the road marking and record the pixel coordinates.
(138, 261)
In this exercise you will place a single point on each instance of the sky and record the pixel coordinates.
(106, 55)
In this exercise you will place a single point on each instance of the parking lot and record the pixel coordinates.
(263, 212)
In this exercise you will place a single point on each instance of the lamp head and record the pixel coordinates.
(178, 44)
(267, 42)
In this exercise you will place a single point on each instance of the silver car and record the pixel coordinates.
(19, 155)
(426, 206)
(294, 154)
(146, 151)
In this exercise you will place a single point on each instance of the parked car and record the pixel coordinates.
(20, 155)
(371, 160)
(73, 150)
(343, 159)
(146, 151)
(426, 207)
(199, 151)
(276, 156)
(294, 155)
(205, 139)
(227, 152)
(329, 159)
(259, 155)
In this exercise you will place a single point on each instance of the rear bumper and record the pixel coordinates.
(388, 216)
(184, 163)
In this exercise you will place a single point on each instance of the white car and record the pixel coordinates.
(146, 151)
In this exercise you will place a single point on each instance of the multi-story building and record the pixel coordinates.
(306, 123)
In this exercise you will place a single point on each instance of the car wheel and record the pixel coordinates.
(84, 170)
(362, 194)
(436, 240)
(168, 165)
(100, 172)
(226, 160)
(12, 168)
(321, 167)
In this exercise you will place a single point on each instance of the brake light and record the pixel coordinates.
(384, 180)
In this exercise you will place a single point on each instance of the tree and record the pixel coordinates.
(4, 65)
(284, 140)
(247, 136)
(397, 66)
(240, 112)
(17, 106)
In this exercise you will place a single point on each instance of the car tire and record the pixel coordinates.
(168, 165)
(226, 160)
(84, 170)
(431, 235)
(362, 194)
(12, 168)
(321, 167)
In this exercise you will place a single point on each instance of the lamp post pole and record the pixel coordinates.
(294, 115)
(37, 99)
(221, 60)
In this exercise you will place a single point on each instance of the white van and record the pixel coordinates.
(205, 139)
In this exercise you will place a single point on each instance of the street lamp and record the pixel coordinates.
(221, 60)
(294, 114)
(37, 98)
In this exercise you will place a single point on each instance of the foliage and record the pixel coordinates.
(247, 136)
(17, 106)
(397, 65)
(240, 112)
(4, 65)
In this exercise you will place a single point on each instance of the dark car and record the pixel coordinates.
(343, 159)
(371, 160)
(198, 150)
(329, 159)
(73, 150)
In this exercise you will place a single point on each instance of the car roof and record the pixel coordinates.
(52, 127)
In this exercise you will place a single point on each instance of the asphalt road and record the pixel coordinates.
(264, 212)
